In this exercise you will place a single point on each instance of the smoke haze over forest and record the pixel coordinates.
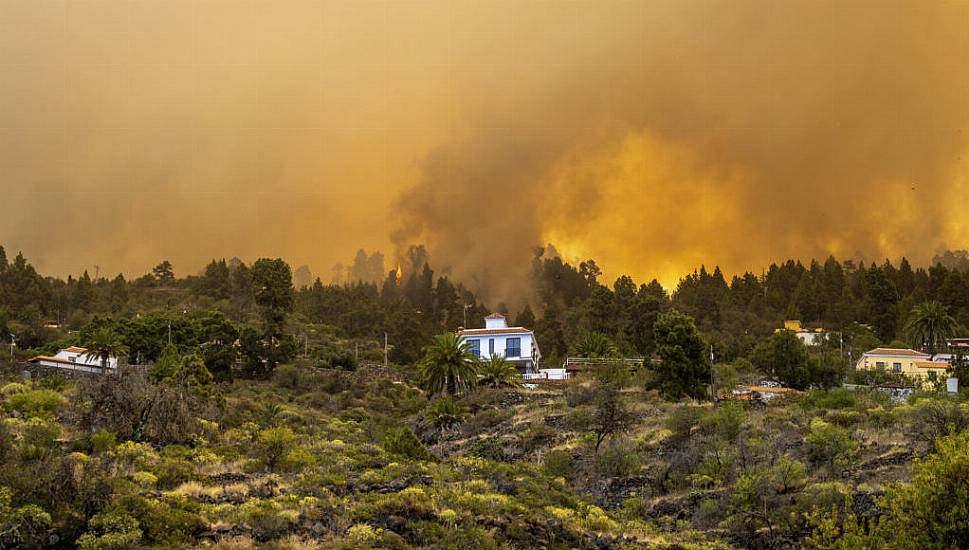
(650, 135)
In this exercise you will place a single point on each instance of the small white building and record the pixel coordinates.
(807, 336)
(77, 359)
(517, 344)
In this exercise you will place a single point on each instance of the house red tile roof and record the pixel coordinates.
(767, 389)
(495, 316)
(486, 331)
(895, 352)
(75, 349)
(932, 364)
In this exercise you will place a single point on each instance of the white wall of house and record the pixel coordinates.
(74, 358)
(496, 339)
(81, 358)
(494, 321)
(497, 344)
(810, 338)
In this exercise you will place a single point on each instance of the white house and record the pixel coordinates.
(807, 336)
(75, 358)
(517, 344)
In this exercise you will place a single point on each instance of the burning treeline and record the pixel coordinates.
(729, 133)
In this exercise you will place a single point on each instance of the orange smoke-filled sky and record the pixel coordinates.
(652, 135)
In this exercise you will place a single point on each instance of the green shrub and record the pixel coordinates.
(537, 435)
(54, 381)
(618, 461)
(838, 398)
(110, 530)
(39, 438)
(340, 359)
(272, 444)
(579, 394)
(12, 388)
(36, 403)
(362, 536)
(935, 418)
(23, 527)
(489, 448)
(403, 442)
(579, 419)
(445, 413)
(709, 513)
(558, 464)
(488, 418)
(102, 441)
(287, 376)
(930, 512)
(268, 518)
(297, 459)
(728, 419)
(7, 446)
(164, 522)
(682, 420)
(827, 443)
(844, 418)
(614, 373)
(172, 471)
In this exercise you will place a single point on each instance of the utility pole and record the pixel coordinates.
(386, 361)
(713, 381)
(169, 333)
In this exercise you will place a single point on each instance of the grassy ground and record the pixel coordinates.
(321, 459)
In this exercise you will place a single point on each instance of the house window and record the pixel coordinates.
(513, 347)
(880, 364)
(932, 376)
(475, 347)
(491, 346)
(896, 367)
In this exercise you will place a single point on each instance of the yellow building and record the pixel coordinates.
(903, 361)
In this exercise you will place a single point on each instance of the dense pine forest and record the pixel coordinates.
(866, 304)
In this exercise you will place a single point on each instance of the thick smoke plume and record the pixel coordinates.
(717, 132)
(652, 135)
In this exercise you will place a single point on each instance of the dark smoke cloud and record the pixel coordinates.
(651, 135)
(719, 132)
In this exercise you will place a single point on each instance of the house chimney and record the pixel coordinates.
(496, 320)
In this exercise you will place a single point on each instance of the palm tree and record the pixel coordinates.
(595, 345)
(497, 372)
(448, 364)
(929, 325)
(103, 344)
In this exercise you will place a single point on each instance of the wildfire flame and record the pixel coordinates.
(400, 274)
